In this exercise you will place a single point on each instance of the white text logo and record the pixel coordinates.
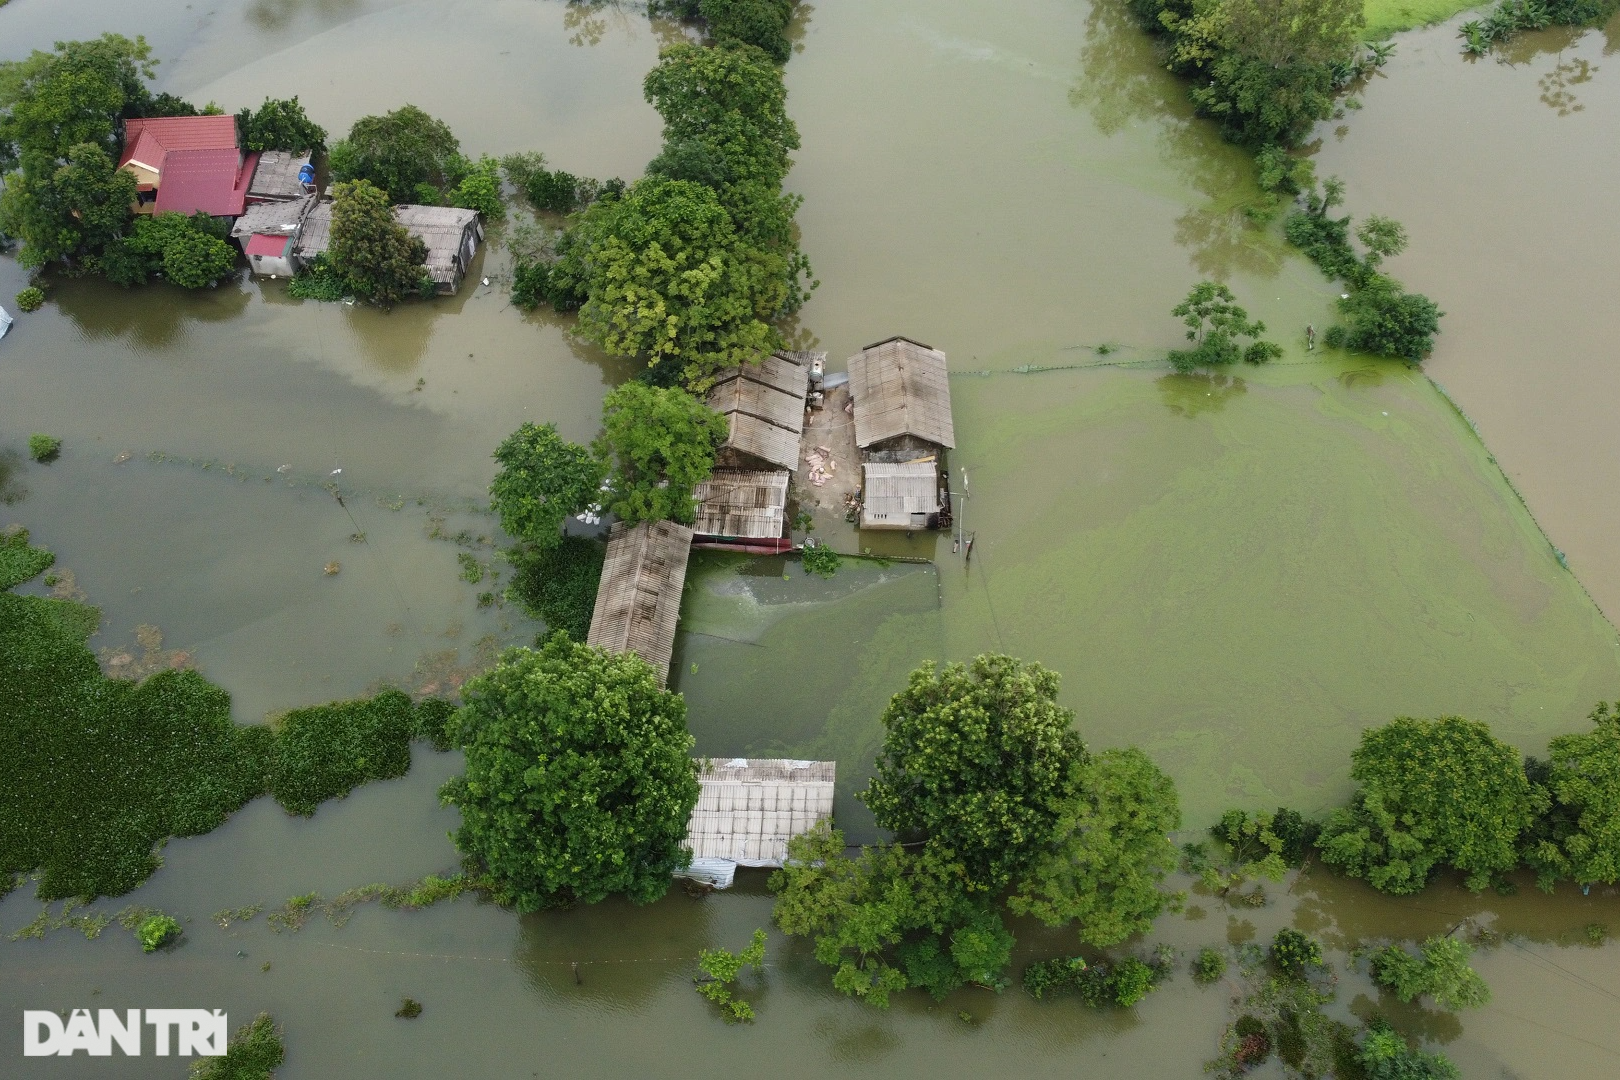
(184, 1032)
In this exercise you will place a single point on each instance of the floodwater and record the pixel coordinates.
(1236, 573)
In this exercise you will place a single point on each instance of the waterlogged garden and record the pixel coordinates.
(1264, 733)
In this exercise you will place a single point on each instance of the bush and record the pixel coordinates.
(1386, 1056)
(1386, 320)
(280, 124)
(432, 723)
(156, 931)
(761, 23)
(558, 584)
(319, 280)
(326, 751)
(1209, 966)
(1294, 952)
(31, 299)
(254, 1053)
(530, 279)
(820, 559)
(480, 189)
(1101, 984)
(1440, 971)
(44, 448)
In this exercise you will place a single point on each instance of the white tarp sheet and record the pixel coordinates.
(5, 322)
(716, 872)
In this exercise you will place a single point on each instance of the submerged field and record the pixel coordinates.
(1237, 574)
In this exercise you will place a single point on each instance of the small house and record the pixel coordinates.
(749, 808)
(187, 165)
(268, 232)
(450, 234)
(281, 176)
(639, 598)
(902, 409)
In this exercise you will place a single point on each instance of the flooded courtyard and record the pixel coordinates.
(1237, 573)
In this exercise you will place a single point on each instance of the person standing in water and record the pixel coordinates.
(1310, 338)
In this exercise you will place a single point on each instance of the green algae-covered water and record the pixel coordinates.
(1237, 573)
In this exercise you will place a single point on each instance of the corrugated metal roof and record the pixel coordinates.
(146, 139)
(440, 228)
(273, 218)
(901, 387)
(262, 244)
(316, 235)
(212, 182)
(763, 440)
(639, 598)
(746, 503)
(893, 493)
(744, 395)
(748, 808)
(277, 175)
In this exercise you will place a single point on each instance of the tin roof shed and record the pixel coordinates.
(639, 598)
(764, 407)
(742, 503)
(748, 809)
(901, 387)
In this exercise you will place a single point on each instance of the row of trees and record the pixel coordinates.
(1447, 793)
(61, 118)
(691, 266)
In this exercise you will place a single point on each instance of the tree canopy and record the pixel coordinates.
(1215, 324)
(279, 124)
(396, 152)
(543, 481)
(1440, 970)
(380, 260)
(579, 780)
(1579, 838)
(1431, 793)
(990, 793)
(659, 444)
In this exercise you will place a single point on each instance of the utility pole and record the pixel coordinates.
(957, 519)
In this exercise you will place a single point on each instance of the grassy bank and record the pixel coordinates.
(1386, 17)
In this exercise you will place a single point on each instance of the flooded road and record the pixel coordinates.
(1236, 573)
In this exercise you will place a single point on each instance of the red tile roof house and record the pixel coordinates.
(187, 164)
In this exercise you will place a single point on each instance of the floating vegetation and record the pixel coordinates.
(18, 561)
(228, 916)
(409, 1009)
(472, 571)
(158, 930)
(254, 1053)
(95, 772)
(412, 896)
(124, 664)
(1209, 966)
(819, 559)
(332, 568)
(44, 448)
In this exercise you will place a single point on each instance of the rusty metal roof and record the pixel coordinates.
(639, 599)
(744, 503)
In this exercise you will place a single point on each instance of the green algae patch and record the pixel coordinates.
(19, 562)
(326, 751)
(1386, 17)
(1240, 579)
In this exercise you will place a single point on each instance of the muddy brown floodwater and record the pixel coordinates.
(1238, 572)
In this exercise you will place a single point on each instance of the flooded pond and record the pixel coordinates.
(1237, 574)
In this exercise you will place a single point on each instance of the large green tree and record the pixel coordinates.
(1109, 853)
(543, 481)
(381, 261)
(978, 760)
(1579, 838)
(1215, 324)
(579, 779)
(397, 151)
(659, 444)
(59, 114)
(280, 124)
(667, 278)
(1431, 793)
(992, 796)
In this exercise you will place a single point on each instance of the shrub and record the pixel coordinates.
(319, 280)
(480, 189)
(720, 968)
(1440, 970)
(31, 298)
(1294, 952)
(1580, 837)
(820, 559)
(1386, 320)
(44, 448)
(1209, 966)
(279, 124)
(432, 723)
(558, 584)
(156, 931)
(254, 1053)
(1386, 1056)
(1100, 984)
